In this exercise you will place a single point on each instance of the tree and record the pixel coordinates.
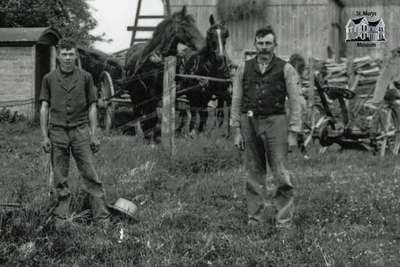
(71, 18)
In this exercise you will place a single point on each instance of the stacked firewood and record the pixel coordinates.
(336, 73)
(366, 68)
(358, 74)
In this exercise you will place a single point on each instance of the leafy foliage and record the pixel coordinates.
(72, 18)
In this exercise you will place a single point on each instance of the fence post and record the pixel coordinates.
(311, 92)
(168, 105)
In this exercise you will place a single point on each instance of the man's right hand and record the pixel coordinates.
(94, 144)
(239, 142)
(46, 144)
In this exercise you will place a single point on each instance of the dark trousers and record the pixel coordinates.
(203, 114)
(266, 143)
(75, 141)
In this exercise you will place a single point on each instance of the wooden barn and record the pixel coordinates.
(26, 55)
(310, 27)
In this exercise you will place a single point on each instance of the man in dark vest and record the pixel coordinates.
(262, 131)
(68, 118)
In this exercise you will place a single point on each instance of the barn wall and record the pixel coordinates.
(302, 26)
(17, 73)
(389, 11)
(307, 27)
(336, 33)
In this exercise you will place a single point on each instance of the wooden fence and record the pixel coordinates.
(168, 107)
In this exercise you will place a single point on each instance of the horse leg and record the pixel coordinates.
(149, 123)
(228, 100)
(203, 119)
(157, 124)
(147, 126)
(220, 112)
(229, 123)
(193, 117)
(182, 115)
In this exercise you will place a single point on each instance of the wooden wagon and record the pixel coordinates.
(108, 75)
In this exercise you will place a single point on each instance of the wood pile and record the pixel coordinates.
(358, 74)
(366, 68)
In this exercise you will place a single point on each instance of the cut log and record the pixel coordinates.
(361, 59)
(373, 71)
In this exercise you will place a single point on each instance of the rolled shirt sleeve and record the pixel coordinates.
(237, 94)
(90, 89)
(45, 90)
(293, 90)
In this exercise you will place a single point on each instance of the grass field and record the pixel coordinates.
(192, 210)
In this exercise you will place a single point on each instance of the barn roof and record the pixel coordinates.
(29, 35)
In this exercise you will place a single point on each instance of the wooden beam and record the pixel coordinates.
(141, 28)
(168, 106)
(140, 40)
(32, 114)
(168, 7)
(136, 20)
(53, 57)
(151, 17)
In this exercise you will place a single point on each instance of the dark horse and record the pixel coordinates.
(144, 66)
(211, 61)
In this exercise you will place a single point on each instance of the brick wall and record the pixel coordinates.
(17, 79)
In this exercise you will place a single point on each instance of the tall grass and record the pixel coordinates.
(192, 209)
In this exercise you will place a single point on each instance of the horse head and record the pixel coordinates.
(216, 37)
(180, 27)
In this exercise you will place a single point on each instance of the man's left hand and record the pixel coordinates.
(94, 144)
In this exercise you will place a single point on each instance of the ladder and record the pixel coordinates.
(136, 28)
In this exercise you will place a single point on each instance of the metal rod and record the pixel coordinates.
(10, 205)
(203, 77)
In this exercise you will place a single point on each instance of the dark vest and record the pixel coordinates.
(265, 93)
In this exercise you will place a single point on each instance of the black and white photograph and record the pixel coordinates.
(200, 133)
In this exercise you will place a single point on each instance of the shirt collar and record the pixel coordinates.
(264, 67)
(66, 74)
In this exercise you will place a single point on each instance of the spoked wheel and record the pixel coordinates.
(315, 120)
(107, 107)
(387, 133)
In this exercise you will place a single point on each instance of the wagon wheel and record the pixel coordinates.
(387, 134)
(107, 107)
